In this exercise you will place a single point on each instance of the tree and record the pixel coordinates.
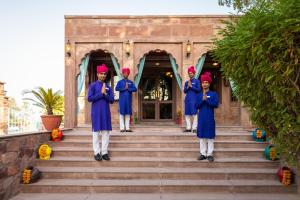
(260, 53)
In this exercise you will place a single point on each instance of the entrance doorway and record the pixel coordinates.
(97, 57)
(158, 86)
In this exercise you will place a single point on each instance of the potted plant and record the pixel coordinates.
(179, 117)
(51, 102)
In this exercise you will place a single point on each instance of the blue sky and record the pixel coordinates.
(32, 34)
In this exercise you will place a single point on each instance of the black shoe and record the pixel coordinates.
(210, 158)
(194, 131)
(105, 157)
(98, 157)
(202, 157)
(129, 130)
(186, 130)
(122, 130)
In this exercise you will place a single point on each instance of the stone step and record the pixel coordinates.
(160, 131)
(123, 173)
(88, 161)
(158, 152)
(156, 186)
(157, 196)
(161, 126)
(160, 137)
(159, 144)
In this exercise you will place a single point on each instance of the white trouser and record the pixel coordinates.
(204, 143)
(127, 120)
(96, 142)
(188, 122)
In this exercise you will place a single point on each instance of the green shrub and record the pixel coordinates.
(259, 52)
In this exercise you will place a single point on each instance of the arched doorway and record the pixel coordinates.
(157, 87)
(93, 59)
(215, 69)
(228, 112)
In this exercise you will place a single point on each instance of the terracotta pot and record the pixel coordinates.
(179, 121)
(51, 122)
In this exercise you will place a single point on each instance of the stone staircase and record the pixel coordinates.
(160, 163)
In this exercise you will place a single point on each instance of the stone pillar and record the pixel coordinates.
(3, 110)
(245, 118)
(70, 89)
(128, 62)
(187, 60)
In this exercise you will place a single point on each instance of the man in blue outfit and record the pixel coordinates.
(207, 101)
(191, 89)
(101, 95)
(125, 87)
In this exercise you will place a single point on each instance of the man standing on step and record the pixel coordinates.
(125, 87)
(191, 89)
(101, 95)
(207, 101)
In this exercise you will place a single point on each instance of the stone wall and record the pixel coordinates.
(3, 110)
(16, 153)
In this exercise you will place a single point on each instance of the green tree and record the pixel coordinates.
(260, 53)
(239, 5)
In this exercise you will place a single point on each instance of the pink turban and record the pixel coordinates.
(102, 68)
(206, 76)
(191, 69)
(125, 70)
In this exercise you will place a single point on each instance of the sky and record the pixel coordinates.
(32, 34)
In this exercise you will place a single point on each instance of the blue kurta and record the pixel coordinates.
(125, 99)
(191, 96)
(206, 119)
(101, 117)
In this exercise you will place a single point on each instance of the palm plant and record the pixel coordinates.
(51, 102)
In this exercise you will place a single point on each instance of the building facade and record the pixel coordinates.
(158, 50)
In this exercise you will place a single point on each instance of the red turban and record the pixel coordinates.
(102, 68)
(191, 69)
(125, 70)
(206, 76)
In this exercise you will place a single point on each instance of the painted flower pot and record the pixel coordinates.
(259, 135)
(286, 175)
(56, 135)
(44, 152)
(271, 153)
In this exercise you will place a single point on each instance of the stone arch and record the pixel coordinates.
(104, 56)
(83, 49)
(91, 52)
(152, 51)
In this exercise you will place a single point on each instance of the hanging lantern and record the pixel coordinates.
(45, 152)
(68, 49)
(127, 48)
(259, 135)
(271, 153)
(188, 48)
(286, 175)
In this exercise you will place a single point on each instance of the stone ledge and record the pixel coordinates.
(30, 133)
(142, 16)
